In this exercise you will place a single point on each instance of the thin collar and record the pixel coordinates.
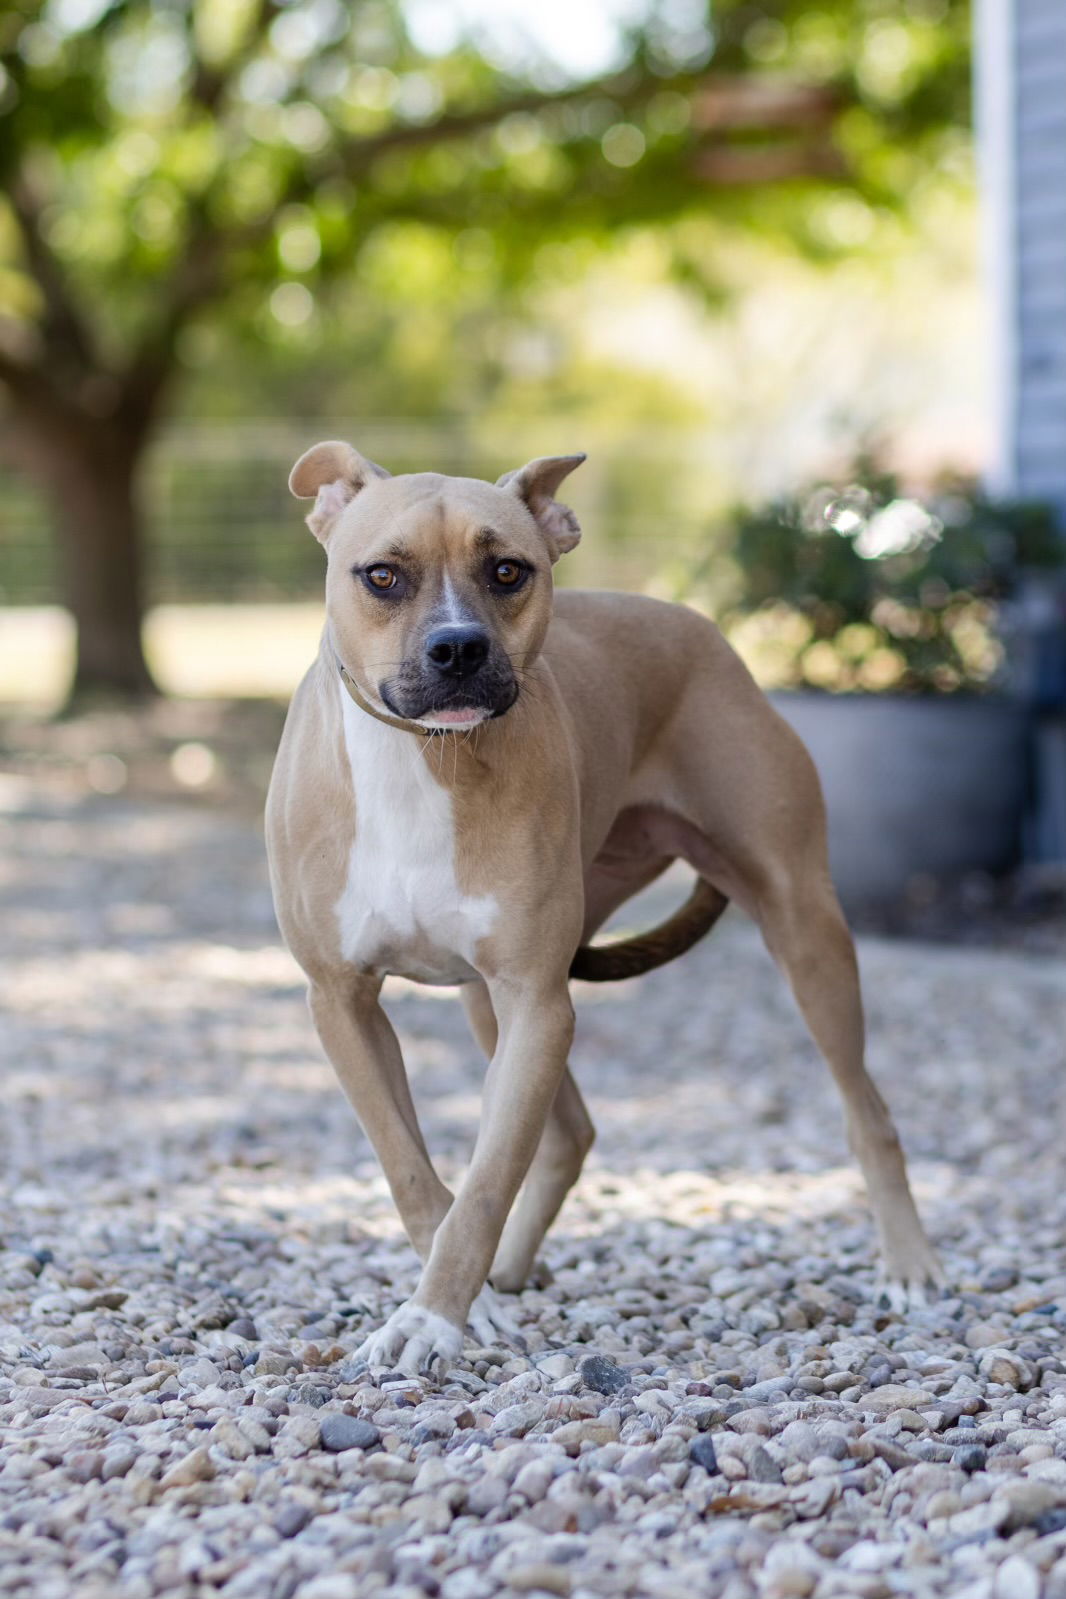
(402, 722)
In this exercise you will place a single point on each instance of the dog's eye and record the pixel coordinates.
(381, 578)
(508, 574)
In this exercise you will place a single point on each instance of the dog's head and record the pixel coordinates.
(438, 589)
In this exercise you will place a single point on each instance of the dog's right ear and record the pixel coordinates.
(333, 473)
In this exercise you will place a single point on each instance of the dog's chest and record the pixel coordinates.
(401, 909)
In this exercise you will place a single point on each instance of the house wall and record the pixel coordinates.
(1021, 112)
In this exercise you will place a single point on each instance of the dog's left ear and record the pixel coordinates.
(536, 484)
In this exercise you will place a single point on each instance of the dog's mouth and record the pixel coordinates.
(456, 716)
(455, 712)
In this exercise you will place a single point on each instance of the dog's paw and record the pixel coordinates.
(910, 1283)
(412, 1341)
(492, 1323)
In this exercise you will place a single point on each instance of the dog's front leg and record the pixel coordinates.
(536, 1027)
(365, 1053)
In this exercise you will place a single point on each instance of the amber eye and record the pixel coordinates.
(381, 577)
(508, 573)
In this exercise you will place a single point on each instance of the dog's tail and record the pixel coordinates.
(629, 957)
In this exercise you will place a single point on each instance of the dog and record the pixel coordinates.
(473, 775)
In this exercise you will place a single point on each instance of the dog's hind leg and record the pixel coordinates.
(567, 1138)
(761, 839)
(805, 931)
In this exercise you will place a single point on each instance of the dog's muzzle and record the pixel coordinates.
(461, 679)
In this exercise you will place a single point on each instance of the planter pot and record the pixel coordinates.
(914, 786)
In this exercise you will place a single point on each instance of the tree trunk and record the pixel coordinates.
(91, 481)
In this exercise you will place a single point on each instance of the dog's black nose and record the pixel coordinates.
(457, 651)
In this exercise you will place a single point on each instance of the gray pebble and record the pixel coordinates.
(291, 1519)
(703, 1453)
(162, 1411)
(761, 1466)
(341, 1432)
(971, 1457)
(602, 1375)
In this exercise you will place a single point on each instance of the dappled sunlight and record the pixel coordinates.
(160, 1051)
(251, 968)
(132, 1031)
(186, 1183)
(689, 1198)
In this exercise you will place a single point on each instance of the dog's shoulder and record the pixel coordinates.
(603, 624)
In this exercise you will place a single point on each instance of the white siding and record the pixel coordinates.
(1021, 95)
(1040, 53)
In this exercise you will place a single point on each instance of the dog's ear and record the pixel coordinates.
(333, 473)
(536, 484)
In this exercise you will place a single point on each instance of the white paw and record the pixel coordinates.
(911, 1285)
(491, 1322)
(412, 1340)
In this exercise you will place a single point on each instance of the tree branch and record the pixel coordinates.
(628, 90)
(738, 103)
(32, 387)
(195, 282)
(198, 278)
(726, 104)
(62, 328)
(763, 101)
(747, 165)
(209, 83)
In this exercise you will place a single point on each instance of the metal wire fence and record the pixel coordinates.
(223, 527)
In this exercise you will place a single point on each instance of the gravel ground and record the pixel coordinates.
(194, 1237)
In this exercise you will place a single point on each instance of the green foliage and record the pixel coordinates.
(285, 206)
(858, 586)
(166, 161)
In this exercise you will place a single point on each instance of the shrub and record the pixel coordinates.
(859, 586)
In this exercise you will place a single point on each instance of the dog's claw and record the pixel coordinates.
(492, 1323)
(412, 1341)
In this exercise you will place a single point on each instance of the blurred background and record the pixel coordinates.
(792, 274)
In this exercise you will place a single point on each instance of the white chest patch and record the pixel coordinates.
(402, 910)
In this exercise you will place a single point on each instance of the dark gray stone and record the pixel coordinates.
(971, 1457)
(702, 1452)
(602, 1375)
(348, 1432)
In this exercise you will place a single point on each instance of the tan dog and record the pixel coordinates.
(470, 781)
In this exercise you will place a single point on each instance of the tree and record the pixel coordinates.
(161, 160)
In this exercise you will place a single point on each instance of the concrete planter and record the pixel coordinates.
(914, 786)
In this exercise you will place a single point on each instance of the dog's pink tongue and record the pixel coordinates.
(468, 713)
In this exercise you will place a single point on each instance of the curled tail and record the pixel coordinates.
(629, 957)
